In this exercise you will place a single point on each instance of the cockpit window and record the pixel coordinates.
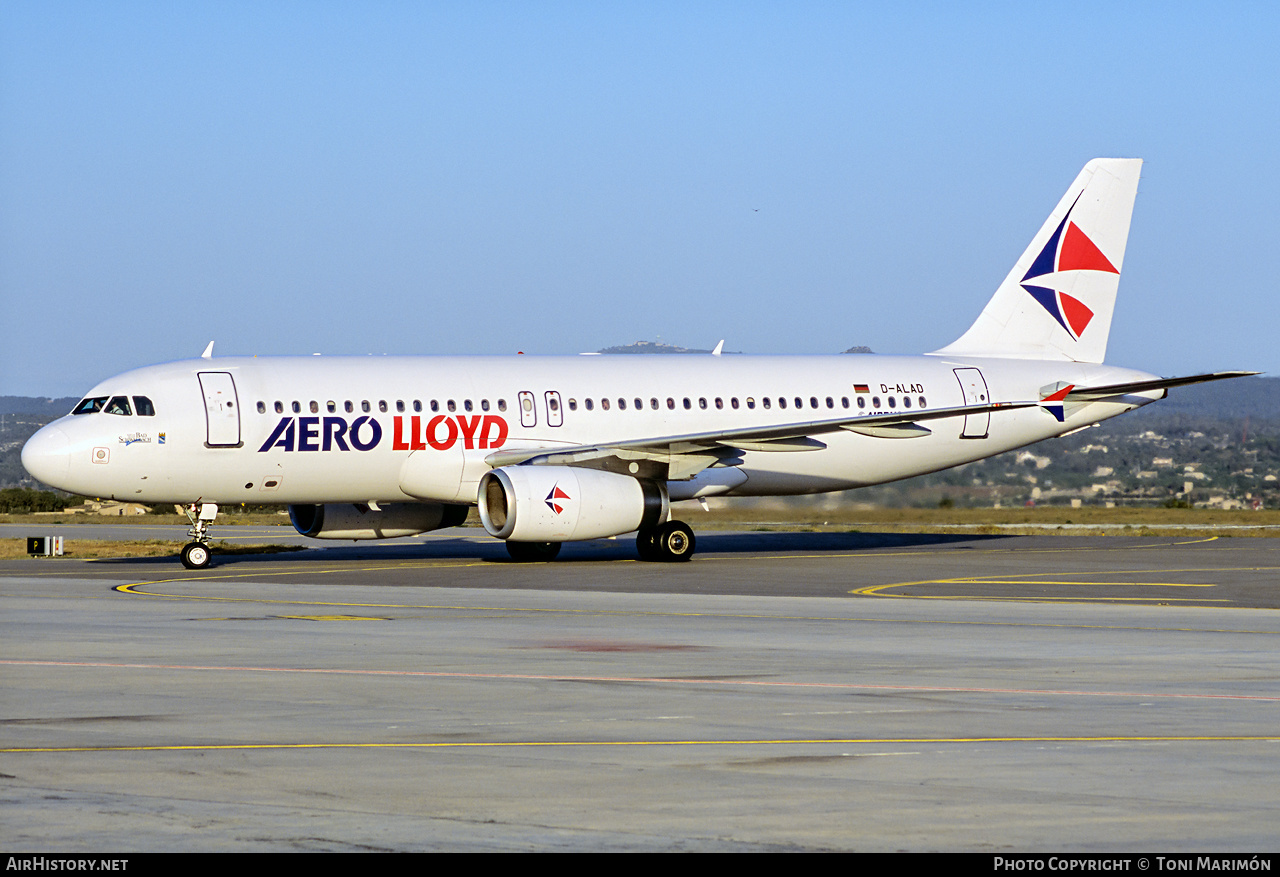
(143, 406)
(89, 406)
(119, 405)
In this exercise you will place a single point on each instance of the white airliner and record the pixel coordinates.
(557, 449)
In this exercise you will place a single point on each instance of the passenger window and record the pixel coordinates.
(315, 407)
(922, 401)
(639, 403)
(502, 404)
(702, 403)
(906, 401)
(348, 406)
(484, 404)
(622, 404)
(764, 400)
(400, 405)
(435, 406)
(751, 402)
(671, 404)
(382, 405)
(862, 403)
(332, 406)
(831, 403)
(734, 402)
(604, 403)
(573, 404)
(417, 404)
(782, 402)
(453, 406)
(364, 405)
(687, 403)
(719, 403)
(262, 406)
(844, 401)
(813, 402)
(554, 404)
(893, 403)
(279, 407)
(875, 401)
(588, 404)
(653, 403)
(466, 404)
(297, 407)
(142, 405)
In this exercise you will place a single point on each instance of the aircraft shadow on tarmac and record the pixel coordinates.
(622, 548)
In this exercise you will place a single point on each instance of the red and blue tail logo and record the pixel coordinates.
(1068, 249)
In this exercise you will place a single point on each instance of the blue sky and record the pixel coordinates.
(558, 177)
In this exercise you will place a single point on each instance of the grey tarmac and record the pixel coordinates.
(783, 691)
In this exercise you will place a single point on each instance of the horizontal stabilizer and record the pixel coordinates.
(1061, 399)
(1083, 394)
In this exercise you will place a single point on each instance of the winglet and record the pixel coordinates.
(719, 348)
(208, 352)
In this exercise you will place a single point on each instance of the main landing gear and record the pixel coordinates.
(196, 554)
(671, 542)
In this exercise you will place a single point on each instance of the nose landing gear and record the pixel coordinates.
(196, 554)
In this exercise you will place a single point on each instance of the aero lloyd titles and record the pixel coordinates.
(481, 431)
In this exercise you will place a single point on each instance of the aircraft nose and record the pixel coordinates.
(47, 456)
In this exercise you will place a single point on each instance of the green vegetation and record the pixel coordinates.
(24, 500)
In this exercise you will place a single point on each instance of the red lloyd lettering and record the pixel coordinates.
(483, 431)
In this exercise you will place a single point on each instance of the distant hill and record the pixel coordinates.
(43, 406)
(653, 347)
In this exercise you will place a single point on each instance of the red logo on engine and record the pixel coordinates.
(554, 498)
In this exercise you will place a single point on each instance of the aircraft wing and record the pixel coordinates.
(686, 454)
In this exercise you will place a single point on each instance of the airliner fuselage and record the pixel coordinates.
(322, 429)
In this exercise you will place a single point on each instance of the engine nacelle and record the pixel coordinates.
(565, 504)
(359, 521)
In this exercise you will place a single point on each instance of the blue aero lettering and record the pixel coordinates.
(324, 434)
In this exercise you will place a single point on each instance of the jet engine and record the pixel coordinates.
(564, 503)
(361, 521)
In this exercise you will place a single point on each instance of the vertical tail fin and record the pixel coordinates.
(1057, 301)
